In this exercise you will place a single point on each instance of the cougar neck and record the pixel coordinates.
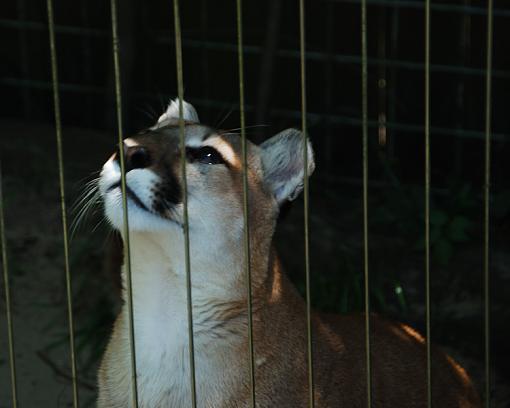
(217, 270)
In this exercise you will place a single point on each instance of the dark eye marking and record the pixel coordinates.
(204, 155)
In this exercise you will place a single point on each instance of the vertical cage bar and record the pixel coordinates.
(427, 199)
(24, 56)
(204, 55)
(7, 289)
(364, 109)
(247, 252)
(180, 91)
(382, 80)
(392, 94)
(127, 247)
(58, 131)
(306, 192)
(87, 55)
(488, 97)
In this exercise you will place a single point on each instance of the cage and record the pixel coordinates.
(392, 215)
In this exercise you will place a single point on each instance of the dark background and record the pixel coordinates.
(272, 82)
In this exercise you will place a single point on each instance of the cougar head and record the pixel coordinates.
(214, 176)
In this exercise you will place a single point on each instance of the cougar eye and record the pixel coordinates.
(204, 155)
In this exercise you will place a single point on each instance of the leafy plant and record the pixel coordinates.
(402, 207)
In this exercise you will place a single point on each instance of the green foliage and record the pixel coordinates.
(340, 288)
(446, 231)
(452, 211)
(93, 318)
(93, 315)
(500, 205)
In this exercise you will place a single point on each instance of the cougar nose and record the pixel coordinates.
(137, 157)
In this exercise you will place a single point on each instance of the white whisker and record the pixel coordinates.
(83, 205)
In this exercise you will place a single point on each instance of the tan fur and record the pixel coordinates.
(280, 341)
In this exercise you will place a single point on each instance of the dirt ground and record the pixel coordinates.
(35, 256)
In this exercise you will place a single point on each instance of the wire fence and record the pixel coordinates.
(364, 102)
(58, 131)
(303, 56)
(180, 88)
(393, 62)
(487, 179)
(127, 247)
(427, 201)
(8, 310)
(246, 236)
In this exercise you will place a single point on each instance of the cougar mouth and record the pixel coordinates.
(158, 208)
(153, 196)
(130, 194)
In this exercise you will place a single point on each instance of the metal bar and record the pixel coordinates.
(7, 289)
(24, 57)
(462, 107)
(59, 29)
(302, 51)
(314, 118)
(364, 109)
(251, 49)
(340, 59)
(329, 80)
(45, 85)
(442, 7)
(392, 94)
(180, 91)
(127, 247)
(382, 81)
(427, 199)
(488, 113)
(247, 252)
(266, 74)
(58, 131)
(204, 60)
(88, 55)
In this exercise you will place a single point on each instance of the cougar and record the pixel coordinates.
(219, 292)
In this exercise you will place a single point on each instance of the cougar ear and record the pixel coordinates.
(283, 164)
(172, 113)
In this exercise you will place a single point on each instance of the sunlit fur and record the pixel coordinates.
(219, 292)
